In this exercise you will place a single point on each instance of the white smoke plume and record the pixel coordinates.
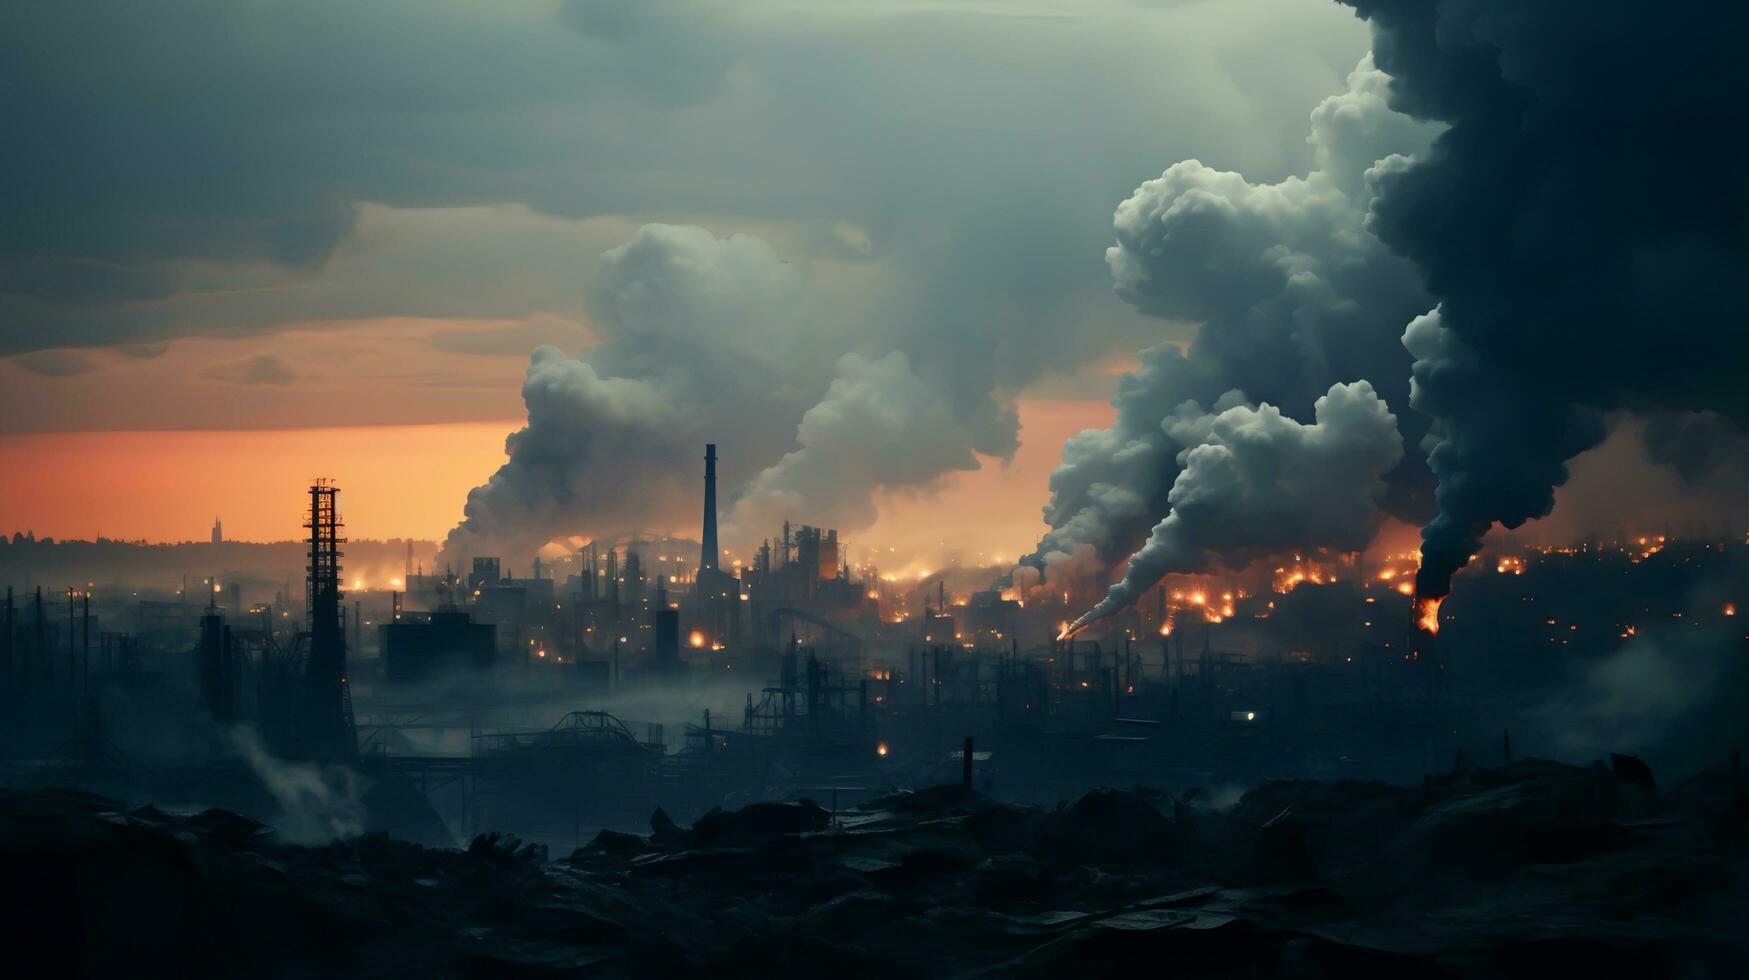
(1292, 294)
(317, 803)
(1255, 481)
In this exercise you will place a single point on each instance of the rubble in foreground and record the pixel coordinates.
(1534, 869)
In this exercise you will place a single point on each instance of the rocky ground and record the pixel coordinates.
(1534, 870)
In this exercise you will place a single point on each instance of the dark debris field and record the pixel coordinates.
(1532, 870)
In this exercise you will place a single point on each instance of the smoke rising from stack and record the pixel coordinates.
(712, 339)
(1256, 481)
(1581, 224)
(1293, 295)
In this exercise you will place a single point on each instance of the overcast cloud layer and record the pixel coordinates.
(181, 149)
(933, 177)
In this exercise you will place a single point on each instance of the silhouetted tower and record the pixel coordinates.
(667, 633)
(327, 720)
(218, 532)
(217, 671)
(613, 579)
(714, 589)
(633, 569)
(707, 552)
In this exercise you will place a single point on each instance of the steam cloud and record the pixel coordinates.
(1582, 259)
(317, 803)
(1293, 294)
(1256, 481)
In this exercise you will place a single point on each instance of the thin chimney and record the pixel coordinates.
(707, 559)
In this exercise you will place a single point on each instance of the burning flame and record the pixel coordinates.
(1427, 614)
(697, 639)
(881, 749)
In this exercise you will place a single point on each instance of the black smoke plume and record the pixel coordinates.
(1581, 222)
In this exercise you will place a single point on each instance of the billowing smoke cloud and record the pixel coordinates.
(710, 339)
(879, 425)
(1582, 259)
(692, 323)
(1293, 294)
(567, 466)
(1255, 481)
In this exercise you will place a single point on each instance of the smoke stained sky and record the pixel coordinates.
(1571, 281)
(283, 216)
(256, 220)
(410, 481)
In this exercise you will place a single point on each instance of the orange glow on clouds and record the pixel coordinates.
(994, 510)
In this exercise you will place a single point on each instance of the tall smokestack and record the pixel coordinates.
(707, 559)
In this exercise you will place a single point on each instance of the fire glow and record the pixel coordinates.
(1427, 614)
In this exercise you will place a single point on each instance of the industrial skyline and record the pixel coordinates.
(1228, 487)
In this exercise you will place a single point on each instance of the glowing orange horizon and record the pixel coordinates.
(410, 481)
(397, 481)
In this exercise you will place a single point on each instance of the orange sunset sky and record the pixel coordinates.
(411, 481)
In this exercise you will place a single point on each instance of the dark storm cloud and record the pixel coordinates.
(1581, 222)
